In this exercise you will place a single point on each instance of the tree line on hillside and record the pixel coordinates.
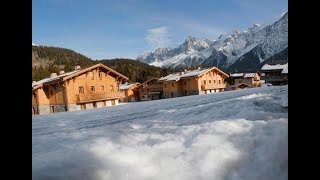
(66, 59)
(136, 71)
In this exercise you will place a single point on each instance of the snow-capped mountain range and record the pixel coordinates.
(233, 51)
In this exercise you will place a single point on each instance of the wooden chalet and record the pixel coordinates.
(193, 82)
(131, 92)
(150, 90)
(275, 74)
(244, 80)
(91, 87)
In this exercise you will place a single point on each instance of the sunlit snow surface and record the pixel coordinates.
(232, 135)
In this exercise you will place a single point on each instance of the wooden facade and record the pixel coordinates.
(150, 90)
(92, 87)
(195, 82)
(244, 80)
(131, 92)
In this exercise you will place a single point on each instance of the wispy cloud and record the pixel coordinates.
(158, 37)
(192, 26)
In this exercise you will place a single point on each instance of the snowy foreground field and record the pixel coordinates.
(232, 135)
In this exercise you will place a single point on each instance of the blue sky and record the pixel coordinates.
(104, 29)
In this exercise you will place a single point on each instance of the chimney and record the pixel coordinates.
(181, 72)
(77, 67)
(199, 67)
(185, 69)
(61, 72)
(53, 75)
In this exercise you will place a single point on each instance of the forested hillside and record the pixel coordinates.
(46, 60)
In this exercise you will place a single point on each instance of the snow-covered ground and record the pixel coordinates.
(232, 135)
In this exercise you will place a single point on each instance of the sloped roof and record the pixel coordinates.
(93, 67)
(274, 67)
(285, 70)
(127, 85)
(243, 75)
(71, 74)
(249, 75)
(237, 75)
(45, 80)
(192, 73)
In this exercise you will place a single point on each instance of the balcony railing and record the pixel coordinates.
(212, 86)
(99, 96)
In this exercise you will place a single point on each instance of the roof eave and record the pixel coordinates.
(93, 67)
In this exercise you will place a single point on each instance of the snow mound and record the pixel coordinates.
(232, 135)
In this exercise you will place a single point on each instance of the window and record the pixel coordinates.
(172, 84)
(185, 92)
(101, 88)
(51, 92)
(147, 89)
(209, 81)
(94, 104)
(214, 81)
(91, 75)
(92, 88)
(100, 74)
(165, 85)
(219, 81)
(185, 83)
(204, 81)
(81, 90)
(111, 87)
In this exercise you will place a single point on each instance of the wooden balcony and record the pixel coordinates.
(99, 96)
(212, 86)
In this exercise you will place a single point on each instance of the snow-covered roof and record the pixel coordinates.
(125, 86)
(237, 75)
(274, 67)
(184, 74)
(177, 76)
(242, 75)
(249, 75)
(54, 78)
(285, 70)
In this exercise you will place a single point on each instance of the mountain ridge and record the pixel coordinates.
(257, 41)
